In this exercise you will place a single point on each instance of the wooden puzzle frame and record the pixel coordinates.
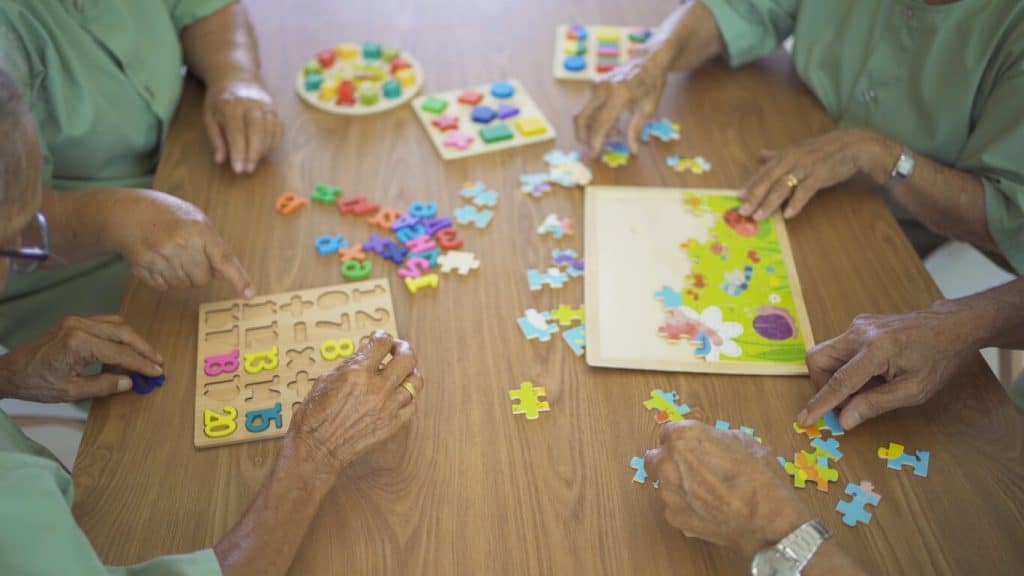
(612, 262)
(590, 72)
(521, 99)
(298, 323)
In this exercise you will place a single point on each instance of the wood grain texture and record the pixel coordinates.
(468, 488)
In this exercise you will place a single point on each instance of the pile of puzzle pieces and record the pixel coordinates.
(564, 168)
(422, 240)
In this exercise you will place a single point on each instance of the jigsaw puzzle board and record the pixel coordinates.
(678, 281)
(311, 330)
(585, 52)
(527, 125)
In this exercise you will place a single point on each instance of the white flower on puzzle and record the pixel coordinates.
(718, 336)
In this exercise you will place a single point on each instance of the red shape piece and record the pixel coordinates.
(347, 93)
(603, 67)
(471, 97)
(445, 122)
(325, 57)
(358, 206)
(449, 239)
(399, 64)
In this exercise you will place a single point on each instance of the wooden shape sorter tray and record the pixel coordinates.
(602, 48)
(312, 330)
(370, 68)
(678, 281)
(540, 129)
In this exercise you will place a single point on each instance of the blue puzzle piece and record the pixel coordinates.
(576, 339)
(831, 420)
(703, 345)
(563, 256)
(480, 195)
(563, 178)
(554, 278)
(669, 297)
(558, 157)
(535, 184)
(142, 384)
(574, 272)
(469, 214)
(830, 447)
(854, 511)
(637, 463)
(724, 425)
(920, 463)
(330, 244)
(535, 326)
(663, 129)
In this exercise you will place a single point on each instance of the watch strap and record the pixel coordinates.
(802, 543)
(903, 168)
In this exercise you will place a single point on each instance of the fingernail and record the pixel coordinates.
(801, 418)
(157, 369)
(248, 293)
(787, 214)
(124, 384)
(853, 419)
(238, 167)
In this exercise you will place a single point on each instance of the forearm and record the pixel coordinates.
(946, 200)
(991, 318)
(268, 536)
(688, 37)
(221, 48)
(79, 223)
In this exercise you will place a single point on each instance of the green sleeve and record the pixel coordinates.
(753, 29)
(15, 60)
(39, 536)
(995, 152)
(185, 12)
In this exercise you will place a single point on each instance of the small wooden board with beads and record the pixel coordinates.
(358, 80)
(482, 119)
(257, 359)
(585, 52)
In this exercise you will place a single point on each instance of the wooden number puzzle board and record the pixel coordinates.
(521, 99)
(297, 324)
(635, 240)
(618, 36)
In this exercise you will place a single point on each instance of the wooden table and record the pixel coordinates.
(468, 488)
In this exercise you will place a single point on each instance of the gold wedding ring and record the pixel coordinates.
(791, 181)
(412, 389)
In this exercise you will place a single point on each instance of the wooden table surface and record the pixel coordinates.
(469, 488)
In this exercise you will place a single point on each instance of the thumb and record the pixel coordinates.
(100, 385)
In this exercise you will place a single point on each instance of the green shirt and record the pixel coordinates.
(947, 81)
(103, 79)
(38, 534)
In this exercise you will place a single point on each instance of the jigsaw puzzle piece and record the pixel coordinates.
(535, 184)
(666, 406)
(576, 339)
(529, 400)
(469, 214)
(853, 510)
(554, 278)
(724, 425)
(669, 298)
(812, 431)
(462, 262)
(535, 326)
(828, 448)
(640, 476)
(832, 423)
(566, 315)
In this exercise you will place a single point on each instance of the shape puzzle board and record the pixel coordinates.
(350, 64)
(620, 40)
(520, 99)
(297, 323)
(640, 240)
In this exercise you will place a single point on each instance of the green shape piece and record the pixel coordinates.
(495, 133)
(312, 67)
(371, 51)
(392, 89)
(313, 82)
(368, 95)
(434, 105)
(326, 194)
(389, 54)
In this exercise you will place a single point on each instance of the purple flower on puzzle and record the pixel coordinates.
(662, 129)
(534, 184)
(557, 227)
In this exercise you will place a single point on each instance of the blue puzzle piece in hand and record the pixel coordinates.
(637, 463)
(576, 339)
(669, 297)
(831, 420)
(469, 214)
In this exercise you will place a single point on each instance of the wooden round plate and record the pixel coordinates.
(347, 69)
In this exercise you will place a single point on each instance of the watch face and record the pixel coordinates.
(771, 562)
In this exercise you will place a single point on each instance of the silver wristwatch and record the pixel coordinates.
(792, 553)
(903, 169)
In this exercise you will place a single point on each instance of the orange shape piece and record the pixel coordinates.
(385, 219)
(352, 253)
(288, 203)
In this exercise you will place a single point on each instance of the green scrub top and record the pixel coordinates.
(102, 79)
(945, 80)
(38, 534)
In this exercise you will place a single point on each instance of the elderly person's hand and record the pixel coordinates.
(723, 487)
(792, 176)
(170, 243)
(882, 363)
(361, 403)
(49, 369)
(242, 124)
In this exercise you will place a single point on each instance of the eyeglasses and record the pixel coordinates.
(27, 258)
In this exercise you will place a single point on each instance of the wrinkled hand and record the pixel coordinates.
(882, 363)
(358, 405)
(723, 487)
(816, 164)
(241, 122)
(171, 244)
(633, 87)
(49, 369)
